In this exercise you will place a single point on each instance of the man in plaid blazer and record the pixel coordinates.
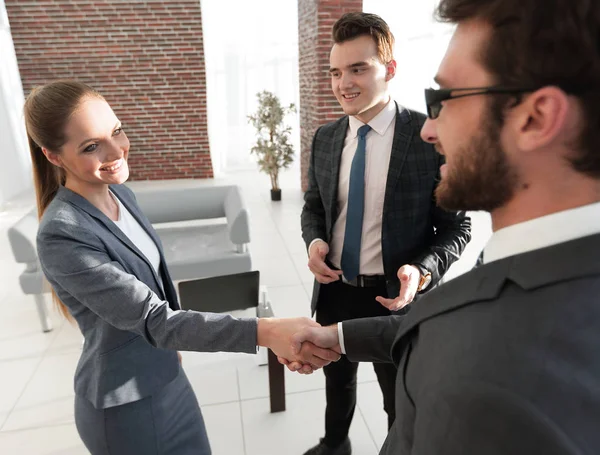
(405, 242)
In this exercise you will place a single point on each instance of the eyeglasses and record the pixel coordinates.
(434, 98)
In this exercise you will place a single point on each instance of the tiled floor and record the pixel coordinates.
(36, 369)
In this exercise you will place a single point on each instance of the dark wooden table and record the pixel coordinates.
(276, 370)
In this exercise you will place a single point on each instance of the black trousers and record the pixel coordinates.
(340, 302)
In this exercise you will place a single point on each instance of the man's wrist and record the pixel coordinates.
(424, 277)
(312, 243)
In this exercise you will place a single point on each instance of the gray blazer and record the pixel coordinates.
(131, 325)
(501, 361)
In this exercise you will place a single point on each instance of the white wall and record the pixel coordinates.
(15, 165)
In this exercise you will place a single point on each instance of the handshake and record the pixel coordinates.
(301, 344)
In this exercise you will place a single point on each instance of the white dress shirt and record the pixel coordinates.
(378, 152)
(138, 236)
(536, 234)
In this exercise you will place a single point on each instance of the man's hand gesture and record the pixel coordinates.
(316, 263)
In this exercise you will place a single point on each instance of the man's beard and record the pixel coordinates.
(481, 177)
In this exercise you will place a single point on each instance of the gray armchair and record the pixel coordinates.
(213, 238)
(209, 239)
(21, 237)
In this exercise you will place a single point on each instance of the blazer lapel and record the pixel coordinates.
(85, 205)
(337, 146)
(563, 262)
(135, 211)
(403, 133)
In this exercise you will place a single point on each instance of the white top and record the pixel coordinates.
(378, 152)
(535, 234)
(138, 236)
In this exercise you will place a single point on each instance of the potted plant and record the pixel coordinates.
(273, 147)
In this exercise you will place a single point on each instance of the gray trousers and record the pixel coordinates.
(166, 423)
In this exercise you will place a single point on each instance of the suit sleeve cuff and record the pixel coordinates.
(341, 337)
(313, 242)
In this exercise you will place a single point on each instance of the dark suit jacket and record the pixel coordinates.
(415, 231)
(502, 360)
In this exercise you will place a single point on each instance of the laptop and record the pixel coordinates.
(220, 294)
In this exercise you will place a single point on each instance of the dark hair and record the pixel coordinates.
(47, 110)
(538, 43)
(353, 25)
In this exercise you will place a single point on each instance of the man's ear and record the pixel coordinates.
(390, 70)
(54, 158)
(543, 118)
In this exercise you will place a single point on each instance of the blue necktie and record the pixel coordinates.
(356, 207)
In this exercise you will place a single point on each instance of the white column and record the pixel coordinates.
(15, 163)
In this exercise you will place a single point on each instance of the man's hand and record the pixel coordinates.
(316, 263)
(409, 277)
(309, 339)
(278, 335)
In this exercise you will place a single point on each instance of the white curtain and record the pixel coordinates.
(249, 46)
(15, 171)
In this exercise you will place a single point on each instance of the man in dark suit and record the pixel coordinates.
(504, 360)
(374, 234)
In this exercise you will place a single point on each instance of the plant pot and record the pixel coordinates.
(276, 195)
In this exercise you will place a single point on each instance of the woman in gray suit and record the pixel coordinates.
(107, 270)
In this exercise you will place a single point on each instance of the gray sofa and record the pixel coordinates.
(21, 238)
(212, 232)
(204, 230)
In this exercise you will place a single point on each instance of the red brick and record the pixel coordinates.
(317, 103)
(145, 57)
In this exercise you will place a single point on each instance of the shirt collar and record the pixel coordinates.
(380, 123)
(543, 232)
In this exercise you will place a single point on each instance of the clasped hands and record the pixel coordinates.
(311, 346)
(300, 343)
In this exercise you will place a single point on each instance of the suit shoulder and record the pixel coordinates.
(329, 128)
(62, 219)
(417, 120)
(56, 214)
(417, 116)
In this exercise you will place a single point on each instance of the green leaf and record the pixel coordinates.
(272, 147)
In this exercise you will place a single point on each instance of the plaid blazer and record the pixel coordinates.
(414, 230)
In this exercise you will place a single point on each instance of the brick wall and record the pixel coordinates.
(145, 56)
(317, 102)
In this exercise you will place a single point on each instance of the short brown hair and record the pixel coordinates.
(538, 43)
(353, 25)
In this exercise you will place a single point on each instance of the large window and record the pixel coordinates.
(421, 42)
(250, 49)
